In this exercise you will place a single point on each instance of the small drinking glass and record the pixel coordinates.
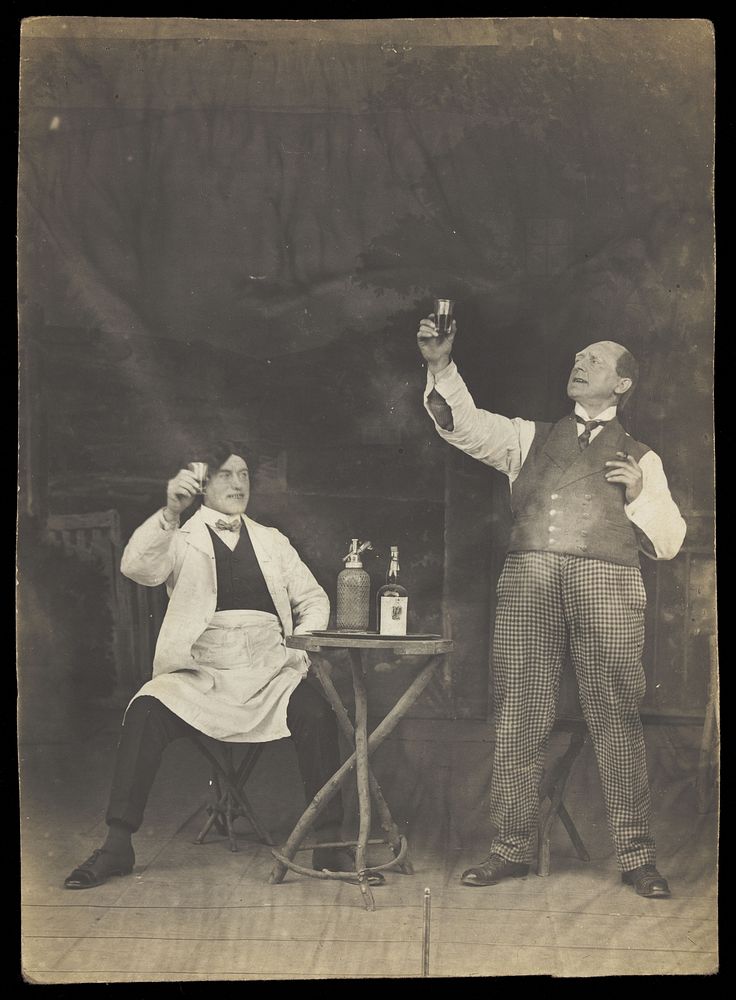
(443, 309)
(200, 473)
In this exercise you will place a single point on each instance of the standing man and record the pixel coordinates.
(221, 668)
(585, 498)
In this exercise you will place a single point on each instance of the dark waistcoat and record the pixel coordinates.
(561, 501)
(240, 582)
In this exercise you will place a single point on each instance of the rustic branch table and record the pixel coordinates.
(365, 744)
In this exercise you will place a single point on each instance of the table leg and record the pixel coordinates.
(343, 721)
(331, 787)
(361, 757)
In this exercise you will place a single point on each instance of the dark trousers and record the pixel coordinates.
(150, 726)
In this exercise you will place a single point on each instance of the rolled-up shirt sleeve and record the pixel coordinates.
(655, 513)
(493, 439)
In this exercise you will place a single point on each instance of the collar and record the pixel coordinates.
(195, 533)
(607, 414)
(210, 516)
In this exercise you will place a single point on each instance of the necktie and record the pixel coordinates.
(228, 525)
(589, 425)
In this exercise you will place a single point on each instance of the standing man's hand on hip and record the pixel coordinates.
(434, 349)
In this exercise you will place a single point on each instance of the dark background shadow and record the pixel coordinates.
(234, 227)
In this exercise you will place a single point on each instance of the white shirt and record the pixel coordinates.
(504, 444)
(606, 415)
(210, 517)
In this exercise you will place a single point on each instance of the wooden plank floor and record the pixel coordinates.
(191, 912)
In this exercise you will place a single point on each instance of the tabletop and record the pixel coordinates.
(403, 645)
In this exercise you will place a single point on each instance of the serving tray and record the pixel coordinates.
(349, 634)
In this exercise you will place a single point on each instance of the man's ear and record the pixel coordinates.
(624, 384)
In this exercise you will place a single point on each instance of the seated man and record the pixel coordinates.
(221, 667)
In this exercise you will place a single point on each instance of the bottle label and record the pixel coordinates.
(393, 613)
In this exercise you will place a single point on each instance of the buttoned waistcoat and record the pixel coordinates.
(562, 502)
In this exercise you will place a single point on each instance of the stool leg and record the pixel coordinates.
(553, 786)
(230, 801)
(249, 761)
(343, 721)
(227, 799)
(543, 861)
(229, 822)
(199, 839)
(244, 807)
(215, 811)
(572, 832)
(219, 806)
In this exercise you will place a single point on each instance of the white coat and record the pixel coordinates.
(183, 674)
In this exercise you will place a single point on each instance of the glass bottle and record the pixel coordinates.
(392, 600)
(353, 591)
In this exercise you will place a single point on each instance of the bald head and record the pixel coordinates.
(604, 374)
(609, 349)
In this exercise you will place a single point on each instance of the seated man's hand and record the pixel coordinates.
(435, 350)
(180, 492)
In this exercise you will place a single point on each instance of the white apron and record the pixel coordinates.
(239, 687)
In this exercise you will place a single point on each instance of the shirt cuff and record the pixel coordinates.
(638, 506)
(443, 376)
(166, 524)
(646, 514)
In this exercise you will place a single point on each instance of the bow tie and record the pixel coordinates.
(589, 425)
(228, 525)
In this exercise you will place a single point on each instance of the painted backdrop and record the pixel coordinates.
(235, 226)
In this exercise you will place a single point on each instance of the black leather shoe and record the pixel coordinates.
(647, 881)
(341, 859)
(98, 868)
(492, 870)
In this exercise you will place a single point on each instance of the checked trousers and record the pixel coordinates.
(548, 603)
